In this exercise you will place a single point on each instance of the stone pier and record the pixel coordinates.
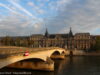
(61, 56)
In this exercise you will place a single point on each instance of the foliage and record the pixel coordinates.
(7, 41)
(97, 45)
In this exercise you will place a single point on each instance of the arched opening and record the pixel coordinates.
(56, 53)
(71, 53)
(63, 52)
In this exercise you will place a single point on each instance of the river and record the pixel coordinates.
(76, 65)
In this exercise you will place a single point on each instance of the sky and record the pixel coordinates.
(26, 17)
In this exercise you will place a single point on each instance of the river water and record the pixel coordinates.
(77, 65)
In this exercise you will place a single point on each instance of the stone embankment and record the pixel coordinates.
(82, 53)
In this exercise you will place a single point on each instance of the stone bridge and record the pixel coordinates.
(10, 55)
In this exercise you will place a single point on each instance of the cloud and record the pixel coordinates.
(31, 4)
(19, 25)
(81, 16)
(58, 15)
(59, 4)
(21, 8)
(43, 1)
(12, 10)
(7, 7)
(38, 9)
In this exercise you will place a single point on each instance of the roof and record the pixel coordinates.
(58, 35)
(82, 34)
(36, 35)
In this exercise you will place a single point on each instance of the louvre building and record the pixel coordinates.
(80, 41)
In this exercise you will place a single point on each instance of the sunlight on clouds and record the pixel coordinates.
(82, 18)
(29, 16)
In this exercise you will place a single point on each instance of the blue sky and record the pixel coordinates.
(26, 17)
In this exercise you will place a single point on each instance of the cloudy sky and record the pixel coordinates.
(26, 17)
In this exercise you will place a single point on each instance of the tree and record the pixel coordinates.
(17, 41)
(97, 45)
(7, 41)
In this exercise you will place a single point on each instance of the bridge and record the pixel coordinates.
(14, 57)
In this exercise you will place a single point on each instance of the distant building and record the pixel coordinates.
(80, 41)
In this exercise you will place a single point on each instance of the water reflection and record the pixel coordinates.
(69, 66)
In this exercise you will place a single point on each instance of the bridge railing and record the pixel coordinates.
(17, 52)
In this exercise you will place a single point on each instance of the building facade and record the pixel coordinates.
(80, 41)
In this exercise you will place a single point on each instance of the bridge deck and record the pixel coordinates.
(6, 51)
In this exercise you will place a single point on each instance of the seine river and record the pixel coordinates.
(76, 65)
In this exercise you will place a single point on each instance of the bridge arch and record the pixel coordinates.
(15, 59)
(26, 62)
(42, 55)
(56, 53)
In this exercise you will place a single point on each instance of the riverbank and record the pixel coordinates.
(82, 53)
(94, 53)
